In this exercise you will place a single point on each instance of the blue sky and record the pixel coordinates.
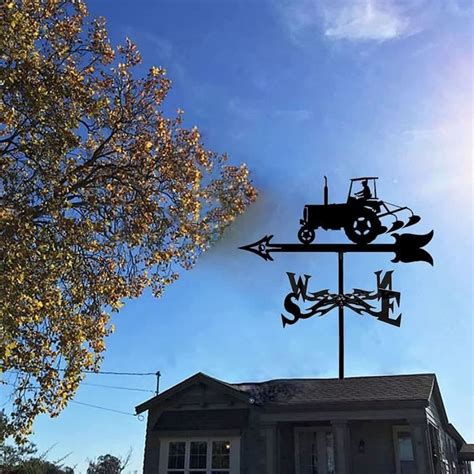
(297, 90)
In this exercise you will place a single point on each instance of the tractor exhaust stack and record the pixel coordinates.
(326, 191)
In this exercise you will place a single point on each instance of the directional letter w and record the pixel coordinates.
(299, 287)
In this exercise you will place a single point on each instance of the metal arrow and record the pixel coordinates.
(407, 248)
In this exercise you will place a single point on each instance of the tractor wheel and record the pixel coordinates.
(306, 235)
(363, 228)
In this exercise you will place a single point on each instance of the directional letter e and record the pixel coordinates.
(386, 294)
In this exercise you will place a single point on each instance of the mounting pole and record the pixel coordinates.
(158, 375)
(340, 256)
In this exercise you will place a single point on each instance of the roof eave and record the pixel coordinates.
(346, 405)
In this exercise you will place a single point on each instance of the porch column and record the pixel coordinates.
(421, 449)
(342, 446)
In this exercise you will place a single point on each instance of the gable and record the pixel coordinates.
(201, 395)
(199, 390)
(198, 420)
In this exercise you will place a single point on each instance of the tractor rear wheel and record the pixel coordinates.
(306, 235)
(363, 228)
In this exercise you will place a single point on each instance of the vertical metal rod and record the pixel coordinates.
(341, 313)
(158, 375)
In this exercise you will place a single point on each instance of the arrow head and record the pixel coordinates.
(260, 248)
(408, 248)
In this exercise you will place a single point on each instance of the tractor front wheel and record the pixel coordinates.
(306, 235)
(363, 228)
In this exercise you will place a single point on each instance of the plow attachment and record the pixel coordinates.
(396, 225)
(414, 219)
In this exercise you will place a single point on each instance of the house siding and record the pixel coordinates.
(286, 440)
(378, 455)
(152, 444)
(198, 420)
(253, 446)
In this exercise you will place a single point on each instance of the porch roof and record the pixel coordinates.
(467, 452)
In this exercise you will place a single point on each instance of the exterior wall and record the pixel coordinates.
(269, 448)
(183, 424)
(196, 412)
(286, 440)
(152, 444)
(443, 451)
(378, 455)
(253, 446)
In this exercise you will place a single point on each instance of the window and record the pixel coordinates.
(176, 457)
(405, 459)
(314, 450)
(220, 456)
(200, 456)
(331, 468)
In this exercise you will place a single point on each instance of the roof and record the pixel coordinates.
(466, 453)
(293, 392)
(351, 389)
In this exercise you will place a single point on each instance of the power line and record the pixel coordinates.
(100, 372)
(140, 417)
(106, 409)
(117, 387)
(113, 373)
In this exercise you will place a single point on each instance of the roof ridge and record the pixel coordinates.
(431, 374)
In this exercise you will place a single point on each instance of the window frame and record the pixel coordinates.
(321, 445)
(234, 458)
(395, 431)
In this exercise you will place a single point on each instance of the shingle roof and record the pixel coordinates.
(466, 453)
(296, 392)
(351, 389)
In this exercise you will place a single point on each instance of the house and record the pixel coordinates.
(358, 425)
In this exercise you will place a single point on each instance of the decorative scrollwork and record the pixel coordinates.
(357, 301)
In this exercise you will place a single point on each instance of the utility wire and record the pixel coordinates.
(106, 409)
(140, 417)
(114, 373)
(100, 372)
(117, 387)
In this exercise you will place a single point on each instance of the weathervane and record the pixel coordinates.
(361, 218)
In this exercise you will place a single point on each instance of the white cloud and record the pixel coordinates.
(355, 20)
(365, 20)
(297, 16)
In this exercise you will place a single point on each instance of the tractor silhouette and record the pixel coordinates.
(360, 217)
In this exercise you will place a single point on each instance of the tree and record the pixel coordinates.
(101, 196)
(41, 466)
(24, 458)
(108, 464)
(12, 455)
